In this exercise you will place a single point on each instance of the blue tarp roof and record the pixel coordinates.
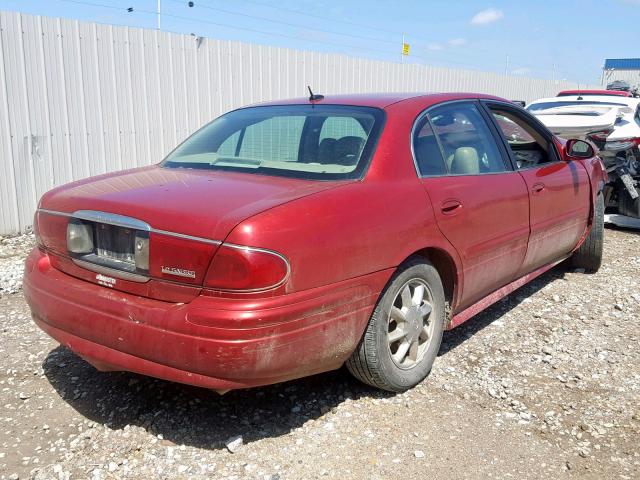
(622, 63)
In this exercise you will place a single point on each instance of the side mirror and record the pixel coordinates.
(578, 149)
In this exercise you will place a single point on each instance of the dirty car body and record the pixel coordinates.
(612, 123)
(260, 249)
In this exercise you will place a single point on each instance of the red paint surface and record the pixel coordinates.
(342, 239)
(617, 93)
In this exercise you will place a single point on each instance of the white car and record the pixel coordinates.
(612, 122)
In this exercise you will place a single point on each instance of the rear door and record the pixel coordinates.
(480, 203)
(558, 191)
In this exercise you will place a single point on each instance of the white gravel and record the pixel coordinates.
(12, 252)
(544, 384)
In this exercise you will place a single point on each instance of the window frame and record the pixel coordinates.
(532, 121)
(495, 135)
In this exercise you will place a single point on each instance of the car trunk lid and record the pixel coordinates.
(183, 214)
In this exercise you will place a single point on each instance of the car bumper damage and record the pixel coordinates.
(212, 342)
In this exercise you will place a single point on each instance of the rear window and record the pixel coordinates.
(302, 141)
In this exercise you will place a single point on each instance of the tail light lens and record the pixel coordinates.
(622, 144)
(179, 259)
(246, 269)
(36, 231)
(600, 136)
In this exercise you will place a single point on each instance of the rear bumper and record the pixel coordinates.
(211, 342)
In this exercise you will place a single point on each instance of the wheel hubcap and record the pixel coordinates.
(410, 327)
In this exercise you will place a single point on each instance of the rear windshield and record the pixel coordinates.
(322, 142)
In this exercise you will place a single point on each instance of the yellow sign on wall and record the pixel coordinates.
(405, 48)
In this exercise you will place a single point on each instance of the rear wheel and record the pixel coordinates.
(589, 255)
(404, 333)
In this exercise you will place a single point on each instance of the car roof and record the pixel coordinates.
(379, 100)
(617, 93)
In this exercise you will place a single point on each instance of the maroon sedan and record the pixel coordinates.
(290, 238)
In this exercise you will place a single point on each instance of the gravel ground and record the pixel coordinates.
(544, 384)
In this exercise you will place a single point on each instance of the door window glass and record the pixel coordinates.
(468, 145)
(427, 151)
(529, 147)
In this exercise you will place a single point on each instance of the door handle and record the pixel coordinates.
(538, 188)
(450, 206)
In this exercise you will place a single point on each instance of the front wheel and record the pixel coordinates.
(589, 255)
(404, 333)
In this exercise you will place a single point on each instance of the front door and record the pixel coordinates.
(559, 191)
(480, 203)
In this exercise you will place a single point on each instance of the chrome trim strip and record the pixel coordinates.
(53, 212)
(111, 219)
(127, 222)
(185, 236)
(94, 267)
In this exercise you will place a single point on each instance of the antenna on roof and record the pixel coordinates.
(313, 96)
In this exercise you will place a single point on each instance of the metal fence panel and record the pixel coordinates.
(80, 99)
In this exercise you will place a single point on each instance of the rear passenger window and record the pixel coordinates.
(468, 146)
(426, 150)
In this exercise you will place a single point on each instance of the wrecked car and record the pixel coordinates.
(293, 237)
(612, 123)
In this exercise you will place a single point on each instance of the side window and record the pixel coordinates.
(529, 147)
(427, 151)
(468, 146)
(273, 139)
(228, 147)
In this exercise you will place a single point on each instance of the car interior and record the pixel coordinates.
(529, 147)
(317, 143)
(463, 146)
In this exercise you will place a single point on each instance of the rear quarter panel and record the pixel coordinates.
(345, 232)
(358, 228)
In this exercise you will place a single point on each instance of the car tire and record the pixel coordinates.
(627, 205)
(589, 255)
(400, 323)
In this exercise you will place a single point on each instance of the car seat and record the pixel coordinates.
(465, 161)
(347, 150)
(327, 150)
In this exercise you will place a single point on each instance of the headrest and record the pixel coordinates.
(348, 150)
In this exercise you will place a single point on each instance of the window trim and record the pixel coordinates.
(495, 135)
(536, 124)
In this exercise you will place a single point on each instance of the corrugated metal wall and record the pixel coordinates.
(632, 77)
(79, 99)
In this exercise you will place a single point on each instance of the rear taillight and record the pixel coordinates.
(600, 136)
(179, 259)
(36, 231)
(246, 269)
(622, 144)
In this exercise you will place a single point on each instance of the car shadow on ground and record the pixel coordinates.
(453, 338)
(201, 418)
